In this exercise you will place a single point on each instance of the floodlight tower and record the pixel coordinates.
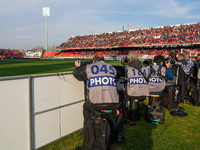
(46, 13)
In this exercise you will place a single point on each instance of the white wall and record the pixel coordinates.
(57, 102)
(14, 115)
(51, 92)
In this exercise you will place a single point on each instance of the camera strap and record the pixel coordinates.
(151, 72)
(143, 75)
(149, 75)
(159, 72)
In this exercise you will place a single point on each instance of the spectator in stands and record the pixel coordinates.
(153, 36)
(102, 88)
(3, 57)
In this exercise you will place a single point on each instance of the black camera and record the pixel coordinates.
(147, 62)
(125, 60)
(120, 71)
(172, 60)
(82, 63)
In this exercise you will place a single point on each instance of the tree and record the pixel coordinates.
(52, 47)
(38, 48)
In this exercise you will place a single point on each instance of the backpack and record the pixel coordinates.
(97, 134)
(181, 81)
(195, 91)
(195, 95)
(182, 77)
(168, 96)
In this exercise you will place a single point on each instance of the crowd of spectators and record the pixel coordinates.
(123, 53)
(177, 34)
(8, 53)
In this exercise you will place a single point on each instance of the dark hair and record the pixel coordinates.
(181, 55)
(159, 59)
(172, 55)
(98, 57)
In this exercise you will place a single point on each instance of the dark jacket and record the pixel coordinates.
(135, 64)
(186, 65)
(80, 73)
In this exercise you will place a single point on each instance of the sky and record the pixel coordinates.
(22, 24)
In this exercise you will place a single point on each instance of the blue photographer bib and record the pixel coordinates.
(156, 82)
(101, 83)
(137, 84)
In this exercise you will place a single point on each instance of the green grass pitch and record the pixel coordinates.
(15, 67)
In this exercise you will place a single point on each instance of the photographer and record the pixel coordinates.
(102, 90)
(136, 73)
(198, 60)
(136, 88)
(172, 58)
(172, 55)
(156, 82)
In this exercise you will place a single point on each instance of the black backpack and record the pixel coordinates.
(182, 82)
(182, 77)
(168, 96)
(195, 95)
(97, 134)
(195, 87)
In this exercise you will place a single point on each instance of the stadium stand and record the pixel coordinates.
(49, 54)
(147, 42)
(8, 53)
(176, 34)
(66, 54)
(143, 53)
